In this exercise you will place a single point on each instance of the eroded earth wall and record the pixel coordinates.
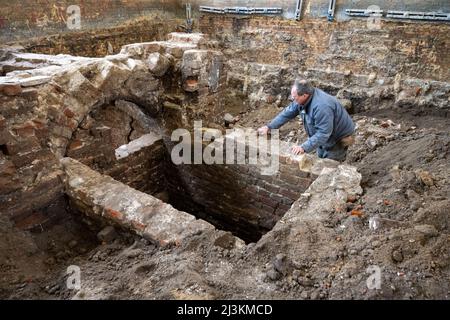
(404, 64)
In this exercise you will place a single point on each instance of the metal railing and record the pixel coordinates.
(240, 10)
(418, 15)
(364, 12)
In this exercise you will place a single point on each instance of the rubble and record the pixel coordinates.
(427, 230)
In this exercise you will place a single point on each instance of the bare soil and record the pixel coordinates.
(404, 161)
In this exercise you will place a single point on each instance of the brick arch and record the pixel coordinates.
(88, 86)
(52, 100)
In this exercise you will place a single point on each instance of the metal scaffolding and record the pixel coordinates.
(364, 12)
(418, 15)
(436, 16)
(188, 18)
(240, 10)
(298, 10)
(331, 10)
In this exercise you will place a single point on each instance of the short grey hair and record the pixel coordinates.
(303, 87)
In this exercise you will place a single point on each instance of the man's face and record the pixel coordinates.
(299, 99)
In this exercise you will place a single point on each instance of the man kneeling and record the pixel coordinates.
(328, 125)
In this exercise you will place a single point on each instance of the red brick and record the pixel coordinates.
(11, 89)
(24, 159)
(69, 113)
(76, 144)
(267, 208)
(138, 226)
(25, 130)
(62, 131)
(35, 219)
(7, 185)
(113, 214)
(268, 201)
(30, 94)
(290, 194)
(7, 168)
(39, 124)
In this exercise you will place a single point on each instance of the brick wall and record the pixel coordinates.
(103, 41)
(32, 18)
(25, 159)
(402, 63)
(342, 46)
(37, 123)
(233, 197)
(106, 129)
(237, 197)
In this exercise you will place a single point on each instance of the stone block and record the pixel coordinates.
(139, 50)
(158, 64)
(34, 81)
(194, 38)
(114, 201)
(136, 145)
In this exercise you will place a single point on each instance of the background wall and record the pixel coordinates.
(32, 18)
(406, 64)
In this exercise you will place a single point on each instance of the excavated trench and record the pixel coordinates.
(236, 197)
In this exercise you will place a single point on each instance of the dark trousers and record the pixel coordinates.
(337, 152)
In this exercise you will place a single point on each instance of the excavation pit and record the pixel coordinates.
(236, 197)
(120, 140)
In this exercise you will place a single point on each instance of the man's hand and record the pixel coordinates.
(263, 130)
(297, 150)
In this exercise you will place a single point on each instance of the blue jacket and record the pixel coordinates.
(325, 120)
